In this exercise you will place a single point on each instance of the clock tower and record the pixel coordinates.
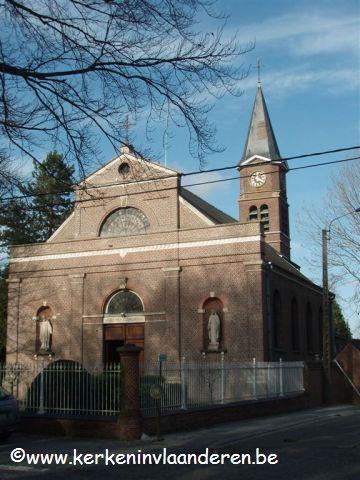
(263, 180)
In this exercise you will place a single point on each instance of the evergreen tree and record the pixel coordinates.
(52, 199)
(341, 327)
(35, 218)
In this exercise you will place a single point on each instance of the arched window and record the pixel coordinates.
(277, 320)
(124, 302)
(295, 340)
(309, 329)
(264, 217)
(125, 221)
(253, 213)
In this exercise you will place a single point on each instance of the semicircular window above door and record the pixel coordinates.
(124, 302)
(125, 221)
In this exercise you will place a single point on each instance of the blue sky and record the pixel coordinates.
(311, 56)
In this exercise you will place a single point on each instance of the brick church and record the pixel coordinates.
(143, 260)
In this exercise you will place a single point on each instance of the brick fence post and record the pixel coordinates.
(130, 420)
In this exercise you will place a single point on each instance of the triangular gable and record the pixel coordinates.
(139, 169)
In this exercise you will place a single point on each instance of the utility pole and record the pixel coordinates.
(327, 343)
(327, 317)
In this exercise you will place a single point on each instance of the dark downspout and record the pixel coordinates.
(269, 311)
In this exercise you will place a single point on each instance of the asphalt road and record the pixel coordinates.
(313, 445)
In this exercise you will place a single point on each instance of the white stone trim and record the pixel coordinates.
(65, 222)
(196, 211)
(146, 314)
(263, 159)
(251, 160)
(171, 269)
(149, 248)
(109, 319)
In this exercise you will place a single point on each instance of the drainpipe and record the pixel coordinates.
(269, 267)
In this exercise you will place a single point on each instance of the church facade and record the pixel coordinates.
(143, 260)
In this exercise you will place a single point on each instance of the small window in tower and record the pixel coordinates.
(264, 217)
(253, 214)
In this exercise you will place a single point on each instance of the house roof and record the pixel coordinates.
(205, 208)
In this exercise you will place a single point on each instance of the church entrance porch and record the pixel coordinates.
(117, 335)
(124, 323)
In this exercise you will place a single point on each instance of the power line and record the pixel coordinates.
(275, 171)
(283, 159)
(197, 172)
(207, 182)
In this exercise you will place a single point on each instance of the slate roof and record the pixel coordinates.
(205, 208)
(260, 138)
(271, 255)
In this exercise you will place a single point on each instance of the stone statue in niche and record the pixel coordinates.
(214, 331)
(45, 332)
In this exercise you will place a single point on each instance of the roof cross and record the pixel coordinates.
(259, 65)
(127, 126)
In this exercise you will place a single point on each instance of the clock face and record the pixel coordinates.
(125, 221)
(257, 179)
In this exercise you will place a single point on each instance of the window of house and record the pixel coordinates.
(264, 217)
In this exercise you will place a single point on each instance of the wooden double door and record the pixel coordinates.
(118, 334)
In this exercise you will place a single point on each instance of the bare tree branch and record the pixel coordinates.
(70, 70)
(344, 246)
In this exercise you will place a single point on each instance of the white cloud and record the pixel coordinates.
(334, 81)
(206, 190)
(305, 33)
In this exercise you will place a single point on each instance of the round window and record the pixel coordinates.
(124, 169)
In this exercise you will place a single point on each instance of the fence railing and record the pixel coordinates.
(67, 388)
(191, 385)
(64, 388)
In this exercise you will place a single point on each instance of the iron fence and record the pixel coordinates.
(64, 388)
(190, 385)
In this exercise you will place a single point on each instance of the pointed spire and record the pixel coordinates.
(260, 139)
